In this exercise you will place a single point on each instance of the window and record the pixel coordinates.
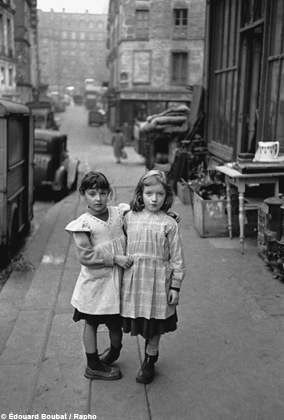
(180, 23)
(274, 118)
(2, 76)
(10, 76)
(180, 17)
(1, 35)
(9, 35)
(179, 68)
(142, 24)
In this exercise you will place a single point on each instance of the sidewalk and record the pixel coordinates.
(225, 361)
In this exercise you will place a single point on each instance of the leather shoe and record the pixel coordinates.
(103, 372)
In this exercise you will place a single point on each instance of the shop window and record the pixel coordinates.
(224, 73)
(274, 130)
(142, 24)
(252, 11)
(2, 47)
(180, 23)
(179, 68)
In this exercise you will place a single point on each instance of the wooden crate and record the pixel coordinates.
(210, 217)
(211, 220)
(184, 193)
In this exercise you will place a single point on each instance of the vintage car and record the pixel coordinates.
(97, 117)
(44, 115)
(54, 168)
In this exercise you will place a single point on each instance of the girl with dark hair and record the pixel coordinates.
(150, 287)
(100, 248)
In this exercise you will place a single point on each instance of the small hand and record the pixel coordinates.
(173, 297)
(123, 261)
(174, 215)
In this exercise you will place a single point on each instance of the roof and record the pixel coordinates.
(48, 134)
(9, 107)
(39, 105)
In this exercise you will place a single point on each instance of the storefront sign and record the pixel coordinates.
(157, 96)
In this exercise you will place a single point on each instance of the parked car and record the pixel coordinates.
(54, 168)
(97, 117)
(78, 99)
(44, 115)
(59, 105)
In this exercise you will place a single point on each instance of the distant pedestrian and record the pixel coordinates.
(150, 287)
(118, 142)
(100, 248)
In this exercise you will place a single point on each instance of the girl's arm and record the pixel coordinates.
(176, 258)
(90, 256)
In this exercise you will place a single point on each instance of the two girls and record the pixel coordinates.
(153, 271)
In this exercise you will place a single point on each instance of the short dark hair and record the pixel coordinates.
(95, 180)
(150, 178)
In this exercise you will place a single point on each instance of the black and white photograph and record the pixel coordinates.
(141, 209)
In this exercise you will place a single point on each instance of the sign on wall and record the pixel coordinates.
(142, 63)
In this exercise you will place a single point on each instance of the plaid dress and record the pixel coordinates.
(154, 242)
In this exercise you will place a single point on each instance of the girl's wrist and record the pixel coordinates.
(174, 288)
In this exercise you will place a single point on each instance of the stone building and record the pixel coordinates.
(26, 50)
(7, 50)
(156, 50)
(72, 49)
(19, 67)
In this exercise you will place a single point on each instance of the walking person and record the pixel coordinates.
(117, 142)
(150, 287)
(100, 248)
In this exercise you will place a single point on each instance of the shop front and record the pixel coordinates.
(127, 107)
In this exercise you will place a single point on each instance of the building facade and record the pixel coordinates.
(26, 50)
(72, 49)
(155, 56)
(244, 80)
(7, 50)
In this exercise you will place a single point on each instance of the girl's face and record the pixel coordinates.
(154, 197)
(96, 199)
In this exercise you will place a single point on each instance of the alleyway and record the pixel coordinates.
(225, 361)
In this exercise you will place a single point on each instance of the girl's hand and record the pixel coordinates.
(123, 261)
(173, 297)
(174, 215)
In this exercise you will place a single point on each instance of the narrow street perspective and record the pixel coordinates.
(224, 360)
(141, 210)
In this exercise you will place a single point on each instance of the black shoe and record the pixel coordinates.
(102, 371)
(147, 371)
(110, 355)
